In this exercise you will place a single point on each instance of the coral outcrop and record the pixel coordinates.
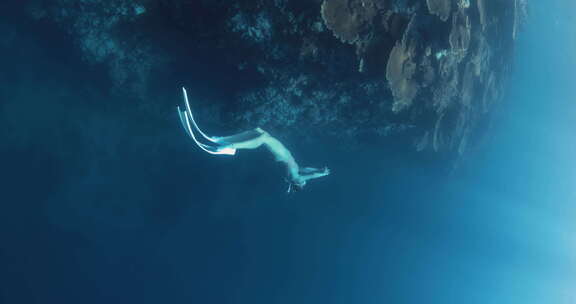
(348, 19)
(440, 8)
(401, 71)
(423, 72)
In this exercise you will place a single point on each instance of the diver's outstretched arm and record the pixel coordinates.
(312, 173)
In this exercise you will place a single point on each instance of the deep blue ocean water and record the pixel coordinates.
(102, 204)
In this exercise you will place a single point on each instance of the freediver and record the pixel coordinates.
(252, 139)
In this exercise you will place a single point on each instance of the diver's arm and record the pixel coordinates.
(309, 170)
(312, 173)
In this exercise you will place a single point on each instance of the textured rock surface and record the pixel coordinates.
(440, 8)
(424, 70)
(401, 71)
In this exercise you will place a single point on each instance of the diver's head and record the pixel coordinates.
(296, 184)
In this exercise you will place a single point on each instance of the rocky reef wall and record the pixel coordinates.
(428, 71)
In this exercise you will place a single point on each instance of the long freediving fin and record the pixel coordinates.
(185, 121)
(182, 116)
(189, 114)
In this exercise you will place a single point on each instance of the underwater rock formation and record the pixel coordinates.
(422, 70)
(94, 24)
(401, 71)
(440, 8)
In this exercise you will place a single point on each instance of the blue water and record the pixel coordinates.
(102, 204)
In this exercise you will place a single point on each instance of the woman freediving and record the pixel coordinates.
(252, 139)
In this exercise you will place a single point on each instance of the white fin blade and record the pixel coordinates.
(225, 151)
(189, 112)
(182, 115)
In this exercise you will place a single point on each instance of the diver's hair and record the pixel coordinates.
(292, 186)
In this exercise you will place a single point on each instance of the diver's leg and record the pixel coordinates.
(240, 137)
(254, 140)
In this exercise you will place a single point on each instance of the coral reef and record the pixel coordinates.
(95, 25)
(440, 8)
(423, 71)
(348, 19)
(401, 71)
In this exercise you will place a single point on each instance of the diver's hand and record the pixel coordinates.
(326, 171)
